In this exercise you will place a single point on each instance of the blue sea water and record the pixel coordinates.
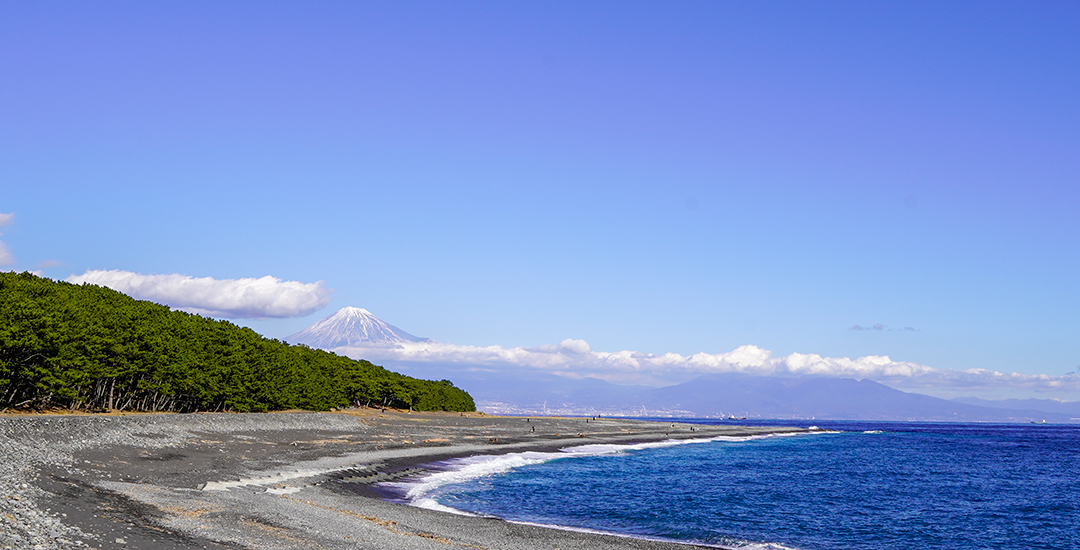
(858, 485)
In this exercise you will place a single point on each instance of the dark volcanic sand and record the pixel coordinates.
(138, 478)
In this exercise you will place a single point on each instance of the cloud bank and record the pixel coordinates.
(6, 258)
(230, 298)
(576, 359)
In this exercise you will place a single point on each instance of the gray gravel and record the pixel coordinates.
(29, 444)
(281, 480)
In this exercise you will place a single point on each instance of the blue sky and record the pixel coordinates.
(643, 176)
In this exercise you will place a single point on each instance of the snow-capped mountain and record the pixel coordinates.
(351, 326)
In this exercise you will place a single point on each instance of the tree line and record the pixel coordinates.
(86, 347)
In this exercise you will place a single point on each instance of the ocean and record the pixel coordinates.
(851, 485)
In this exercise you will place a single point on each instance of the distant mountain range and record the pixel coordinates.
(351, 326)
(518, 390)
(1070, 408)
(717, 395)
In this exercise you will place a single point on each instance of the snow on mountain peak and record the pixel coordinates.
(353, 312)
(351, 326)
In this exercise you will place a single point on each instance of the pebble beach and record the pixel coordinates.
(277, 480)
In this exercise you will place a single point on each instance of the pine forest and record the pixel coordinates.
(86, 347)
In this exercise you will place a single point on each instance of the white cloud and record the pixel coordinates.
(876, 326)
(231, 298)
(575, 359)
(575, 346)
(6, 258)
(881, 327)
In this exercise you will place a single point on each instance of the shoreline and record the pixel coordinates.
(287, 480)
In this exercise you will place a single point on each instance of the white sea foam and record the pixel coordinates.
(418, 491)
(740, 545)
(432, 504)
(461, 470)
(764, 546)
(623, 535)
(873, 432)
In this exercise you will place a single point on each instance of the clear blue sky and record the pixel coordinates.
(663, 177)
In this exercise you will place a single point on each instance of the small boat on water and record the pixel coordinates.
(1038, 422)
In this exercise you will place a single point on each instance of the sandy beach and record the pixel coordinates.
(276, 480)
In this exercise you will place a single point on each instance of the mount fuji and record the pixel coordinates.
(352, 326)
(514, 389)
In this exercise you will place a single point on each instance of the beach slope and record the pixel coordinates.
(277, 480)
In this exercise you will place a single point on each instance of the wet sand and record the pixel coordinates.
(288, 480)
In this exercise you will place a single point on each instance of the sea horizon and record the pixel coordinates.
(878, 484)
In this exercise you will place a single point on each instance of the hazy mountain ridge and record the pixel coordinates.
(715, 395)
(506, 390)
(832, 398)
(1042, 405)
